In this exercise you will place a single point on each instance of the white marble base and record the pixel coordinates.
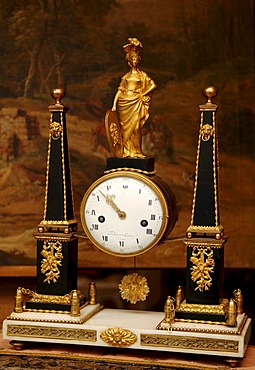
(132, 329)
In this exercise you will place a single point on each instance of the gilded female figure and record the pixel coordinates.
(132, 100)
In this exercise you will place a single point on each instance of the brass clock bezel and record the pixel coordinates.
(149, 182)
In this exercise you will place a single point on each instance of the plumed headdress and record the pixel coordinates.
(134, 45)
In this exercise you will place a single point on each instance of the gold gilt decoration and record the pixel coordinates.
(75, 303)
(239, 301)
(65, 299)
(66, 225)
(58, 223)
(232, 313)
(118, 337)
(203, 264)
(55, 130)
(132, 101)
(52, 253)
(18, 301)
(206, 132)
(31, 331)
(92, 293)
(169, 310)
(131, 170)
(198, 344)
(115, 135)
(205, 308)
(179, 296)
(134, 288)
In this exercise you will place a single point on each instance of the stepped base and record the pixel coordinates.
(129, 329)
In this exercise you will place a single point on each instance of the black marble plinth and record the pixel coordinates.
(57, 264)
(143, 164)
(204, 281)
(213, 293)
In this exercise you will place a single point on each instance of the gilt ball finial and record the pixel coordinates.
(210, 92)
(57, 94)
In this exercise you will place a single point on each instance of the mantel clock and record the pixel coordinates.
(127, 212)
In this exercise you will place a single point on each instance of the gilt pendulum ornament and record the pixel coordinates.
(134, 288)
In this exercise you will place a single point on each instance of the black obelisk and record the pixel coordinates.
(205, 241)
(57, 247)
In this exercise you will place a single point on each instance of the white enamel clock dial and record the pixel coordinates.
(124, 213)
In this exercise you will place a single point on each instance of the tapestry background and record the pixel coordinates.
(187, 46)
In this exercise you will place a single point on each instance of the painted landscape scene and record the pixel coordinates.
(78, 45)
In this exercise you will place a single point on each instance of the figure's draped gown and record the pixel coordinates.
(133, 111)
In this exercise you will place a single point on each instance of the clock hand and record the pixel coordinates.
(109, 200)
